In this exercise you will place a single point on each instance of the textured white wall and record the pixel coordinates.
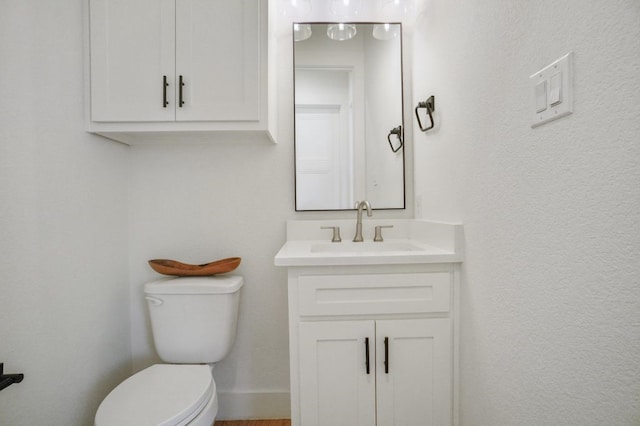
(64, 306)
(551, 299)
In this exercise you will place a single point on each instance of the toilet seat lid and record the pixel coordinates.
(163, 394)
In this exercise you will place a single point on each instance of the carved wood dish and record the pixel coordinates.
(179, 269)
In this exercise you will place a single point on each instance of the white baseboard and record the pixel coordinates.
(253, 405)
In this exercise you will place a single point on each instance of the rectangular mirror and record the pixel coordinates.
(349, 128)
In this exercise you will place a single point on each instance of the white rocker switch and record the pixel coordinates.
(541, 96)
(555, 89)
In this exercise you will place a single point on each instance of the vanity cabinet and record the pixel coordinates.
(162, 66)
(372, 345)
(383, 372)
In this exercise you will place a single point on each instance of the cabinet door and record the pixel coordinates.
(132, 48)
(415, 389)
(218, 57)
(335, 389)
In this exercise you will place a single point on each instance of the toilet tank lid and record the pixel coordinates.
(214, 284)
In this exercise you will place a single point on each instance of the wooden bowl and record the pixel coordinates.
(179, 269)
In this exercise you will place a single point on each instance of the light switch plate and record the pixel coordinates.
(557, 79)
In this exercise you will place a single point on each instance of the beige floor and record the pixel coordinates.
(284, 422)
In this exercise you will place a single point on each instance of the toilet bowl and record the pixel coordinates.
(193, 320)
(163, 394)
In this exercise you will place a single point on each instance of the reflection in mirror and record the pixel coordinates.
(348, 116)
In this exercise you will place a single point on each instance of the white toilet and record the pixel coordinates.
(193, 320)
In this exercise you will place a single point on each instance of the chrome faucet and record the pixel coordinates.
(360, 205)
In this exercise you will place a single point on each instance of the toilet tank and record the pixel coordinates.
(194, 319)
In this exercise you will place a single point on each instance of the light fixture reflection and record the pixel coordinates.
(341, 32)
(345, 9)
(295, 9)
(386, 31)
(301, 31)
(397, 8)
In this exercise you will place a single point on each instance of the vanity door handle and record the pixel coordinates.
(180, 86)
(386, 355)
(165, 84)
(366, 352)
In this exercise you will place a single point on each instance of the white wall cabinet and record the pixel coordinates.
(373, 345)
(176, 67)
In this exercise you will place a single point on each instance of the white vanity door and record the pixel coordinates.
(132, 49)
(415, 390)
(335, 389)
(218, 57)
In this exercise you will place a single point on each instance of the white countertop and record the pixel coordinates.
(409, 242)
(302, 253)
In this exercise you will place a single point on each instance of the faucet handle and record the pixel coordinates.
(378, 237)
(336, 233)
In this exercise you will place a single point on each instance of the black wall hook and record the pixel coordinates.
(7, 380)
(398, 132)
(430, 106)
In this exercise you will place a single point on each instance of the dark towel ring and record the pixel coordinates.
(398, 132)
(430, 106)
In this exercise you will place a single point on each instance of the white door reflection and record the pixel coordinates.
(324, 134)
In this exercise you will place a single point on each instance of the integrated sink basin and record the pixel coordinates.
(364, 247)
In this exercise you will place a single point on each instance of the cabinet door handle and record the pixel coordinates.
(180, 86)
(165, 84)
(366, 352)
(386, 355)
